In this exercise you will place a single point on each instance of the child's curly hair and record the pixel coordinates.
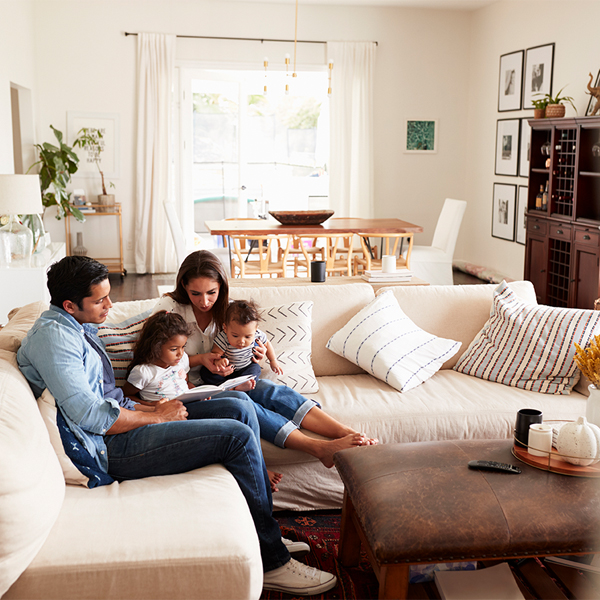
(242, 312)
(157, 330)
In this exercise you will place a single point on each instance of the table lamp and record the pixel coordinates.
(19, 195)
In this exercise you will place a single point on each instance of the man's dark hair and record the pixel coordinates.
(242, 312)
(72, 279)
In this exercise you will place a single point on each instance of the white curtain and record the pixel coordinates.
(154, 250)
(351, 118)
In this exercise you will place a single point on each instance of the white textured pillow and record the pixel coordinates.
(289, 329)
(386, 343)
(529, 346)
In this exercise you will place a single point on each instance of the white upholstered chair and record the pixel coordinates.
(434, 263)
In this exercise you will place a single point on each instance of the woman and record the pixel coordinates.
(201, 297)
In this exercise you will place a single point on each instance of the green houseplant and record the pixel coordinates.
(539, 108)
(58, 164)
(554, 104)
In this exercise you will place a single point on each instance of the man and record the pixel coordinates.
(129, 441)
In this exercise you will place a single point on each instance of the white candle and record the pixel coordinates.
(388, 264)
(540, 439)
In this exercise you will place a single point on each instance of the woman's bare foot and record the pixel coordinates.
(246, 386)
(274, 479)
(328, 448)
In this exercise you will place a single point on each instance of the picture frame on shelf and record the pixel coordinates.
(503, 211)
(592, 102)
(524, 147)
(421, 136)
(108, 124)
(507, 146)
(521, 216)
(510, 85)
(539, 65)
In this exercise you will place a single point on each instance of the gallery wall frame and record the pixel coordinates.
(108, 159)
(421, 136)
(524, 147)
(503, 211)
(507, 146)
(521, 216)
(537, 78)
(510, 84)
(592, 102)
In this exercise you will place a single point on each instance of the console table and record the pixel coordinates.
(24, 281)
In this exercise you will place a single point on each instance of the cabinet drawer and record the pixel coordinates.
(537, 226)
(560, 232)
(589, 237)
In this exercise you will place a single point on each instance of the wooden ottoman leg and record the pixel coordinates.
(393, 582)
(349, 550)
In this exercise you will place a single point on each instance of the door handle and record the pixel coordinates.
(536, 227)
(586, 237)
(559, 231)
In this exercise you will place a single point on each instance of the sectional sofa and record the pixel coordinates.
(191, 535)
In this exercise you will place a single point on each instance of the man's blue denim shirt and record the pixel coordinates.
(56, 355)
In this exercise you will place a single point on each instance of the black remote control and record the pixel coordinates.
(492, 465)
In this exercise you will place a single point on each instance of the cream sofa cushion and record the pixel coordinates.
(31, 483)
(334, 305)
(201, 543)
(429, 307)
(19, 323)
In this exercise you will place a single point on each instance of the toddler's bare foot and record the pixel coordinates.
(274, 479)
(329, 448)
(246, 386)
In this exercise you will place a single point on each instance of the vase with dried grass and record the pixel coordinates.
(588, 361)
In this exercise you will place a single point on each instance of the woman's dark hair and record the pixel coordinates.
(203, 263)
(157, 330)
(242, 312)
(72, 279)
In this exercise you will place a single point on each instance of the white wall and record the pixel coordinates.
(422, 56)
(16, 66)
(501, 28)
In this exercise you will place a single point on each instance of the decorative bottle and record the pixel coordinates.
(545, 198)
(538, 198)
(80, 249)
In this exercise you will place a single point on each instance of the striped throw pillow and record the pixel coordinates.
(118, 342)
(529, 346)
(383, 341)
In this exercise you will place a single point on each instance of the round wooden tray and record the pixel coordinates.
(554, 463)
(301, 217)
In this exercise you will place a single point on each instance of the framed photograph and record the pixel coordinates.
(421, 136)
(511, 81)
(503, 211)
(592, 102)
(539, 63)
(108, 159)
(524, 148)
(507, 146)
(521, 218)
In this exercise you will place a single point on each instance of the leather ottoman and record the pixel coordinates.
(420, 503)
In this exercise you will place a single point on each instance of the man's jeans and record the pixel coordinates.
(220, 431)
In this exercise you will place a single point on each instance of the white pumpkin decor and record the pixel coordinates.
(579, 442)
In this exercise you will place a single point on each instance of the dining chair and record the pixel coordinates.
(391, 244)
(302, 249)
(263, 260)
(434, 263)
(338, 253)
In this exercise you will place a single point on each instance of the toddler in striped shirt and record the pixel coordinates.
(236, 344)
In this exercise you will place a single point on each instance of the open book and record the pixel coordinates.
(206, 391)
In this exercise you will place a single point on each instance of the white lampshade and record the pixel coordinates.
(20, 195)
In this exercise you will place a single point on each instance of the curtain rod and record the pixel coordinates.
(261, 40)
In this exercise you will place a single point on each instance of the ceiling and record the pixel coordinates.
(443, 4)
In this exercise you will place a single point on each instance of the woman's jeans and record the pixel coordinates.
(279, 409)
(221, 431)
(210, 378)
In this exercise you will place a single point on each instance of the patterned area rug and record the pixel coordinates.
(321, 531)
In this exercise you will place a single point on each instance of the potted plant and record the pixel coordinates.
(58, 164)
(554, 104)
(539, 108)
(91, 140)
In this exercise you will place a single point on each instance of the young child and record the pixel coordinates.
(159, 367)
(236, 344)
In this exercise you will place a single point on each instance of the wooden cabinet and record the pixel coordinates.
(562, 256)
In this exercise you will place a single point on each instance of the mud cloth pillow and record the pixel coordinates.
(289, 329)
(383, 341)
(529, 346)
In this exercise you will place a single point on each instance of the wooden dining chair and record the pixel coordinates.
(338, 253)
(263, 260)
(391, 244)
(302, 249)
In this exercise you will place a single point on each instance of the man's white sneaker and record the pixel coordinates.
(297, 578)
(296, 547)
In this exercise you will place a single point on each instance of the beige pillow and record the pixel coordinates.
(20, 322)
